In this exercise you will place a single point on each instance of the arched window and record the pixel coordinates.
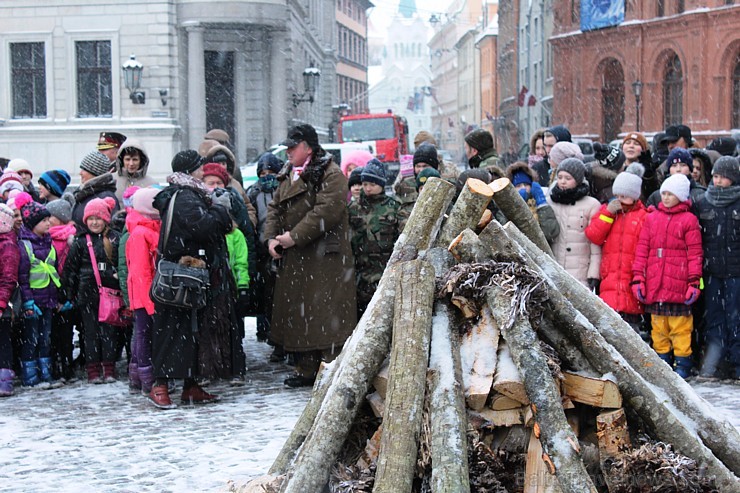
(612, 97)
(673, 92)
(736, 93)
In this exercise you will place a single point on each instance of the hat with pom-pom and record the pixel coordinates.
(101, 208)
(677, 184)
(7, 218)
(32, 212)
(629, 182)
(127, 194)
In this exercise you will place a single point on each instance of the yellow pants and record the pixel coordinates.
(672, 332)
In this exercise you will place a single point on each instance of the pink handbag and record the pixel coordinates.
(111, 300)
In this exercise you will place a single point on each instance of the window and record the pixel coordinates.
(94, 81)
(736, 93)
(673, 92)
(28, 79)
(680, 6)
(660, 8)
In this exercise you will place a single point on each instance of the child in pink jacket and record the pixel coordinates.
(667, 272)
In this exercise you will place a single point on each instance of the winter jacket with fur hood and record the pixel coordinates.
(124, 179)
(544, 213)
(617, 235)
(669, 254)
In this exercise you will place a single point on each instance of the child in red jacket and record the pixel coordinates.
(616, 229)
(667, 272)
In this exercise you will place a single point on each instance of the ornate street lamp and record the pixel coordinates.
(311, 77)
(637, 89)
(132, 69)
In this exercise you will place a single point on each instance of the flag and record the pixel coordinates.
(450, 122)
(410, 104)
(526, 97)
(489, 116)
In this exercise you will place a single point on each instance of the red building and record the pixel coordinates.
(680, 58)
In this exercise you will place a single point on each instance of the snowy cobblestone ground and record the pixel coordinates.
(86, 438)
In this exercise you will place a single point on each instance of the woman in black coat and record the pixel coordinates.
(96, 182)
(198, 230)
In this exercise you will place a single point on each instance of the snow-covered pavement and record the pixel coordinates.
(87, 438)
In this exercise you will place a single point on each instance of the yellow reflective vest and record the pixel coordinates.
(42, 271)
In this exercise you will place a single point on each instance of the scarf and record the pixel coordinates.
(268, 183)
(570, 196)
(186, 180)
(722, 196)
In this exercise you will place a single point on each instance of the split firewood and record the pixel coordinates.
(720, 436)
(542, 392)
(361, 356)
(645, 399)
(521, 415)
(537, 475)
(500, 402)
(377, 404)
(478, 356)
(447, 408)
(466, 247)
(370, 453)
(484, 219)
(516, 210)
(507, 380)
(467, 210)
(596, 392)
(380, 382)
(407, 370)
(614, 440)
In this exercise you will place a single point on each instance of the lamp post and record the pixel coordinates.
(637, 89)
(311, 77)
(132, 69)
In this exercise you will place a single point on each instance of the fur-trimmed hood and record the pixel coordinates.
(521, 166)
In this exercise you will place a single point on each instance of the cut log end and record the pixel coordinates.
(479, 187)
(498, 185)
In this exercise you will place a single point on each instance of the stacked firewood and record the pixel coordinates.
(481, 365)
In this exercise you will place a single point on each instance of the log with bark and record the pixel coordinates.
(467, 210)
(720, 436)
(478, 351)
(409, 360)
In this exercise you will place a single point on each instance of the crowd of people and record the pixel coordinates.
(653, 230)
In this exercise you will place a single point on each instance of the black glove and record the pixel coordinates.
(594, 284)
(246, 303)
(646, 159)
(601, 151)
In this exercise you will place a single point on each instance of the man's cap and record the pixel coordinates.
(301, 133)
(110, 140)
(675, 132)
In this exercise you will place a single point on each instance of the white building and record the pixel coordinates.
(233, 64)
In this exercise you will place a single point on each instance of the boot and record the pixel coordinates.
(667, 357)
(684, 364)
(712, 358)
(109, 369)
(6, 382)
(46, 376)
(29, 373)
(93, 373)
(146, 377)
(160, 397)
(134, 380)
(195, 394)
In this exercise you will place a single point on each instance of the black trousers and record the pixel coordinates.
(100, 339)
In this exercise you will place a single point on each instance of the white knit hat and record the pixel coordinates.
(678, 185)
(6, 218)
(629, 182)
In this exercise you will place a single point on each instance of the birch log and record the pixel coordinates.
(409, 361)
(559, 442)
(364, 351)
(720, 436)
(517, 211)
(467, 211)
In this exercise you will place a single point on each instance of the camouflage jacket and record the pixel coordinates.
(376, 223)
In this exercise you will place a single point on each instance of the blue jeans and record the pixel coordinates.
(722, 320)
(36, 341)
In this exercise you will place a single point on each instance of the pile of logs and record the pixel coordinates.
(481, 365)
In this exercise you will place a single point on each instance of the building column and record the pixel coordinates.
(241, 72)
(278, 88)
(196, 104)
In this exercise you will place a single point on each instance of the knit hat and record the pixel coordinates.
(218, 135)
(100, 208)
(729, 167)
(56, 181)
(96, 164)
(678, 185)
(10, 175)
(355, 177)
(143, 201)
(19, 165)
(574, 167)
(424, 175)
(629, 182)
(32, 212)
(424, 136)
(726, 146)
(427, 153)
(565, 150)
(521, 177)
(187, 161)
(127, 194)
(480, 140)
(560, 132)
(680, 155)
(614, 157)
(637, 137)
(6, 219)
(269, 161)
(374, 172)
(215, 169)
(61, 209)
(10, 185)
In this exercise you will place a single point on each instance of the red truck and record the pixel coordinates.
(386, 133)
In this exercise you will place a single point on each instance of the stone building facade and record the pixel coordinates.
(352, 54)
(685, 57)
(232, 64)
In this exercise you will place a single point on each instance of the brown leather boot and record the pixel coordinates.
(93, 373)
(196, 395)
(109, 372)
(160, 397)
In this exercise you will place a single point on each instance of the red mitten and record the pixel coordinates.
(692, 294)
(638, 289)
